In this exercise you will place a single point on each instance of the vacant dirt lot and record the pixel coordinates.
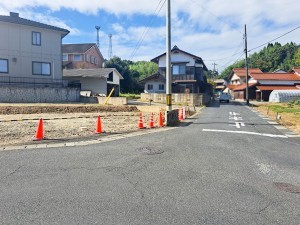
(62, 122)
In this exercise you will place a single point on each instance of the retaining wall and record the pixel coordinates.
(185, 99)
(38, 95)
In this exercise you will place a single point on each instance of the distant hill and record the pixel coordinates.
(270, 58)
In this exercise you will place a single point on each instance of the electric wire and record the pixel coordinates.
(156, 12)
(275, 38)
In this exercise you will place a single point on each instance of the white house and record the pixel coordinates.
(187, 73)
(97, 81)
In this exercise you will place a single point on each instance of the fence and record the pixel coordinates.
(184, 99)
(32, 82)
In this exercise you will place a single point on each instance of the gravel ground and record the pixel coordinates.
(21, 132)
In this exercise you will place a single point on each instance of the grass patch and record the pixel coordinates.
(289, 114)
(130, 96)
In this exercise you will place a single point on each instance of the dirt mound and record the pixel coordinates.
(8, 110)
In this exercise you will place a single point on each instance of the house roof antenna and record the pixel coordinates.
(98, 28)
(110, 46)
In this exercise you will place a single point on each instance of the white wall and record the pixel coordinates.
(96, 85)
(155, 87)
(276, 82)
(177, 57)
(16, 42)
(116, 79)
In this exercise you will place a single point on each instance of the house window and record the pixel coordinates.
(92, 59)
(150, 87)
(36, 38)
(65, 57)
(161, 87)
(96, 61)
(41, 68)
(77, 57)
(88, 58)
(178, 69)
(3, 65)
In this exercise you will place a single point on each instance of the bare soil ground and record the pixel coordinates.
(62, 122)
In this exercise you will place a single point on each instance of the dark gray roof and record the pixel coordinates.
(95, 73)
(76, 48)
(14, 18)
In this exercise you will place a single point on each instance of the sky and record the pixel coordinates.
(210, 29)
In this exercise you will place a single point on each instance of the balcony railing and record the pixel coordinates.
(32, 82)
(183, 77)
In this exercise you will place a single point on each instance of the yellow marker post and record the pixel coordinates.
(106, 100)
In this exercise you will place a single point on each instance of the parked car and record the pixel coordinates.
(224, 97)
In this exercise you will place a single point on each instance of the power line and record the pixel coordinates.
(205, 9)
(275, 38)
(156, 12)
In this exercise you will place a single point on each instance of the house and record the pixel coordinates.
(237, 83)
(81, 56)
(261, 84)
(31, 62)
(220, 85)
(187, 71)
(30, 52)
(97, 81)
(268, 82)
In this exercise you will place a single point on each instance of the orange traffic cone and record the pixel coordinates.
(160, 120)
(151, 122)
(180, 116)
(98, 126)
(140, 123)
(39, 135)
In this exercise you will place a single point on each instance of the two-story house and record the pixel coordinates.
(82, 56)
(83, 65)
(187, 74)
(30, 52)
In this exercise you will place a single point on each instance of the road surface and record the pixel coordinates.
(228, 166)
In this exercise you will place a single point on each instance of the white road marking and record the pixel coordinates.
(280, 128)
(245, 132)
(238, 124)
(272, 122)
(264, 168)
(235, 118)
(234, 114)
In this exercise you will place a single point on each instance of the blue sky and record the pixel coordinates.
(211, 29)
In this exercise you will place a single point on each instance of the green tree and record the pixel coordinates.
(144, 68)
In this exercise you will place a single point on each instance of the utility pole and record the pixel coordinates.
(98, 28)
(214, 71)
(110, 46)
(168, 58)
(246, 67)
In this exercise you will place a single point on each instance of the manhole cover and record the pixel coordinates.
(287, 187)
(149, 151)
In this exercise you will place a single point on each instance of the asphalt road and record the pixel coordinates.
(229, 166)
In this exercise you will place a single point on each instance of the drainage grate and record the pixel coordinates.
(287, 187)
(149, 151)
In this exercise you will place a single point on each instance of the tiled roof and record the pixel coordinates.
(95, 73)
(271, 88)
(276, 76)
(76, 48)
(243, 86)
(154, 76)
(241, 72)
(296, 70)
(14, 18)
(231, 86)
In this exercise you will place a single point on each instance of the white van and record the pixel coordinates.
(224, 97)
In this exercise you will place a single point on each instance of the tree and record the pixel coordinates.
(130, 82)
(144, 68)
